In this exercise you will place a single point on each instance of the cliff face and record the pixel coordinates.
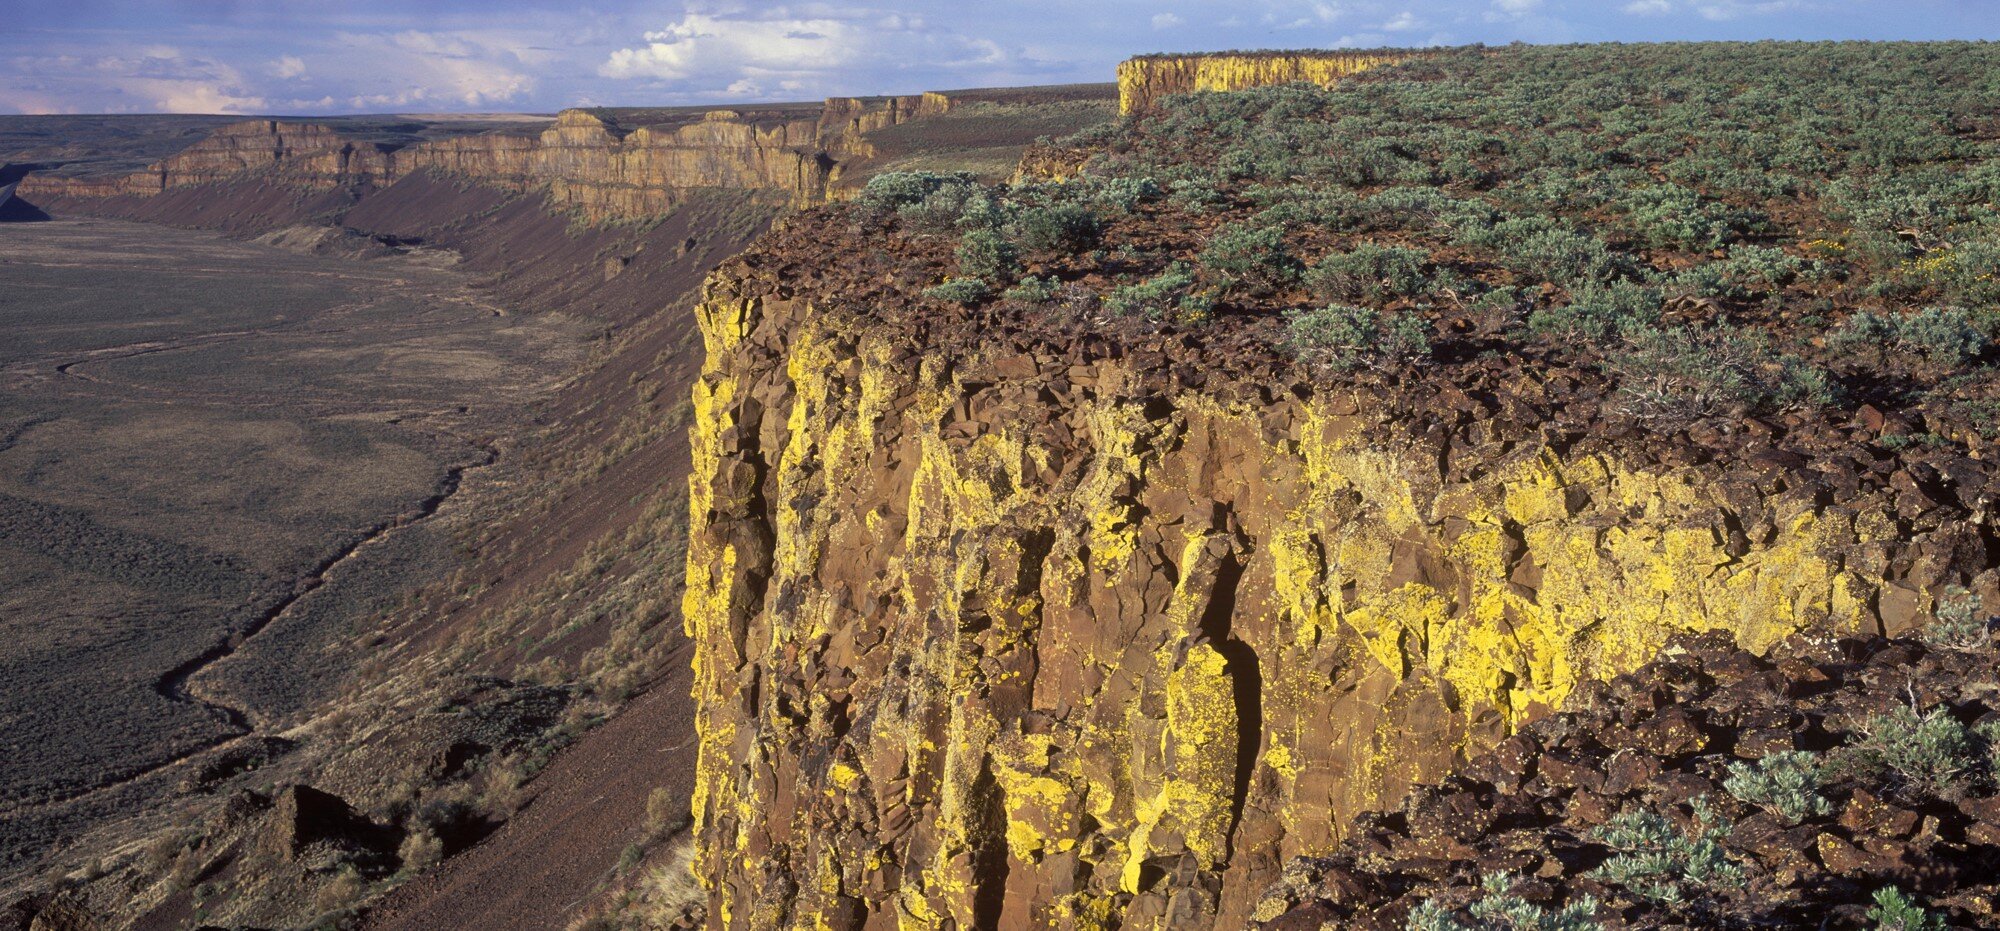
(585, 163)
(1142, 81)
(312, 155)
(586, 166)
(1008, 637)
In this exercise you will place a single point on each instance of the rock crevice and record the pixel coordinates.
(1001, 636)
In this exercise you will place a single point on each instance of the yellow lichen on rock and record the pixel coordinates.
(1143, 81)
(987, 637)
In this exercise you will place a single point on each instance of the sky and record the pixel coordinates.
(418, 56)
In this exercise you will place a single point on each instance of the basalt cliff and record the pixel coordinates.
(599, 164)
(995, 631)
(1143, 81)
(1286, 508)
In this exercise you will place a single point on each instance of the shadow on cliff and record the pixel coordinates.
(1246, 682)
(14, 209)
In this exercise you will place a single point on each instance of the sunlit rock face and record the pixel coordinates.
(585, 164)
(1142, 81)
(1011, 636)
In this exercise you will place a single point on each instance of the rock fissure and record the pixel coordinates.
(1176, 639)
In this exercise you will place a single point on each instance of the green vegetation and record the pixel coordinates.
(1501, 910)
(960, 291)
(1685, 372)
(985, 253)
(1894, 911)
(896, 190)
(1342, 337)
(1961, 623)
(1371, 273)
(1918, 754)
(1665, 864)
(1033, 290)
(1251, 259)
(1945, 337)
(1059, 228)
(1719, 230)
(1170, 295)
(1785, 783)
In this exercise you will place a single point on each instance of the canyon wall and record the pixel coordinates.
(311, 154)
(1010, 636)
(1143, 81)
(585, 163)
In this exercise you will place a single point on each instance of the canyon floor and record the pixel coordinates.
(217, 460)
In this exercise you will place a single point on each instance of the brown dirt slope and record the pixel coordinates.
(587, 808)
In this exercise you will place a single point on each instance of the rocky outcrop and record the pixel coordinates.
(994, 633)
(1668, 737)
(306, 153)
(1143, 81)
(586, 163)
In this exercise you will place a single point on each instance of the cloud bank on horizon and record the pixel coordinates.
(377, 56)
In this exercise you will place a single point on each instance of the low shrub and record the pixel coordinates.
(1170, 295)
(1501, 910)
(1067, 228)
(1945, 337)
(1370, 272)
(1253, 259)
(985, 253)
(1683, 372)
(1342, 337)
(1663, 864)
(952, 207)
(1542, 249)
(1672, 216)
(1961, 623)
(1032, 290)
(892, 190)
(1894, 911)
(1927, 755)
(965, 291)
(1123, 194)
(1195, 194)
(1785, 783)
(1599, 312)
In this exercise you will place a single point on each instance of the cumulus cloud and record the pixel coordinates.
(338, 71)
(806, 51)
(1403, 22)
(1502, 10)
(157, 78)
(420, 68)
(1166, 21)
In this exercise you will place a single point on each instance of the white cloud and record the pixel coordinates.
(287, 67)
(1404, 22)
(809, 50)
(1166, 21)
(413, 68)
(1733, 9)
(701, 43)
(157, 78)
(1503, 10)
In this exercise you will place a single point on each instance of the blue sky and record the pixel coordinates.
(408, 56)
